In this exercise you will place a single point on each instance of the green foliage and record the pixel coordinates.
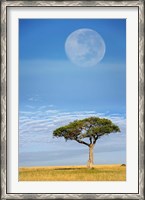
(91, 128)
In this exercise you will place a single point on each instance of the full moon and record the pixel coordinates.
(85, 47)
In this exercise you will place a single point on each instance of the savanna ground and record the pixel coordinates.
(73, 173)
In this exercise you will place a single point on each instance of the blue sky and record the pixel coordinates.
(54, 91)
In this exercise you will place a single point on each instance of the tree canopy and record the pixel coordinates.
(92, 128)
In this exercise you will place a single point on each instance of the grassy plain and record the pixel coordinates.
(73, 173)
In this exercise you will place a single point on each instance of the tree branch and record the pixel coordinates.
(95, 139)
(90, 140)
(82, 142)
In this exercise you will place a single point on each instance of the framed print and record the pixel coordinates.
(72, 100)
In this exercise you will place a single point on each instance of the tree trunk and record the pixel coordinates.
(91, 158)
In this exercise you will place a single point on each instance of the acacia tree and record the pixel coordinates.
(87, 131)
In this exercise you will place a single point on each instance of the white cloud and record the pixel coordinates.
(37, 127)
(38, 147)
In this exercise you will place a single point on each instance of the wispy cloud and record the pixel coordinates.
(36, 138)
(38, 125)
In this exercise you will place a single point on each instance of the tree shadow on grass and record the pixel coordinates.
(74, 169)
(69, 168)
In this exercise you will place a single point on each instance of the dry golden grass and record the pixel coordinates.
(73, 173)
